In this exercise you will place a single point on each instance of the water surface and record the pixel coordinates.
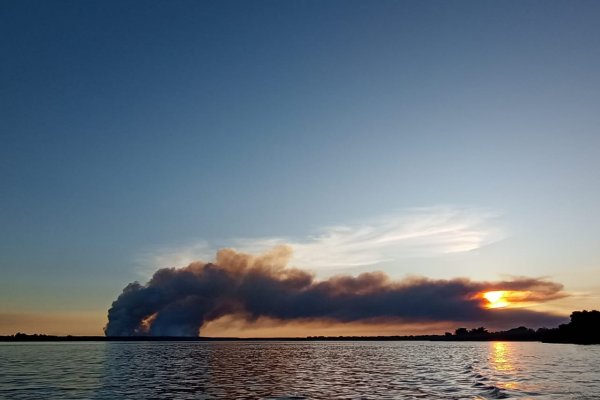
(298, 370)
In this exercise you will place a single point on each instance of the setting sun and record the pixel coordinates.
(496, 299)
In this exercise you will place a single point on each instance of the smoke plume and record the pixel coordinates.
(177, 302)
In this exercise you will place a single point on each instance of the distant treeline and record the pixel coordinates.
(584, 328)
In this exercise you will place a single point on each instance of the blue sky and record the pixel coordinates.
(131, 131)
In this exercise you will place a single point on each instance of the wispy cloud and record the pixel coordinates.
(418, 232)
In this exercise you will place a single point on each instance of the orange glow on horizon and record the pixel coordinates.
(147, 323)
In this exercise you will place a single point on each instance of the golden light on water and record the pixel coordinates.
(501, 355)
(496, 299)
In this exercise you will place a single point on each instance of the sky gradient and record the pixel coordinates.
(443, 139)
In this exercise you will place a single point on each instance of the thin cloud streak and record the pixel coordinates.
(413, 233)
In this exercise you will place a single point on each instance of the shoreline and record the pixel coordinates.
(428, 338)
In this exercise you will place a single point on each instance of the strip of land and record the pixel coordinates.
(584, 328)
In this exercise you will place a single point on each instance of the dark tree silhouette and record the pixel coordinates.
(584, 328)
(461, 332)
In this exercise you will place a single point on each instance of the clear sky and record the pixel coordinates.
(429, 138)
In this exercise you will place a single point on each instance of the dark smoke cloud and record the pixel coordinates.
(177, 302)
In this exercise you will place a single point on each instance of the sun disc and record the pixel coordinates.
(496, 299)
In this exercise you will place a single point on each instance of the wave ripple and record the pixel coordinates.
(297, 370)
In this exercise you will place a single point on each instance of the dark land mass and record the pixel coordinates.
(584, 328)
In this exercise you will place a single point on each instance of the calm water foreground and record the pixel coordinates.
(298, 370)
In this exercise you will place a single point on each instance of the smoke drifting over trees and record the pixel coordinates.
(177, 302)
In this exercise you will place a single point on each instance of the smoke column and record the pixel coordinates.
(177, 302)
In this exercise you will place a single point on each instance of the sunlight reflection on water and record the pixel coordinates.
(284, 370)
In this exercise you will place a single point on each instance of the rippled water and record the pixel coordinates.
(298, 370)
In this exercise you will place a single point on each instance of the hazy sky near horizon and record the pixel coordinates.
(427, 138)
